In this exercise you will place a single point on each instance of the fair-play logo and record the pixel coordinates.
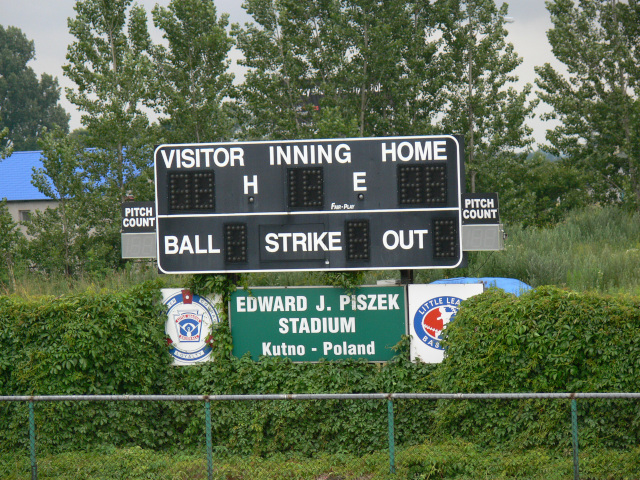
(188, 327)
(431, 318)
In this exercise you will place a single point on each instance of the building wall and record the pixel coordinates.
(17, 208)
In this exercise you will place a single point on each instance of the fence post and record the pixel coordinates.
(574, 434)
(207, 412)
(392, 455)
(32, 442)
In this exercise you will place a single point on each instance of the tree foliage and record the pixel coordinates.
(533, 189)
(28, 105)
(350, 68)
(192, 78)
(365, 68)
(596, 99)
(110, 65)
(332, 68)
(60, 236)
(480, 99)
(5, 149)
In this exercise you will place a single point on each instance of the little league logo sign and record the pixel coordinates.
(432, 317)
(189, 321)
(431, 308)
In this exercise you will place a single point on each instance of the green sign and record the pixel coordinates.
(306, 324)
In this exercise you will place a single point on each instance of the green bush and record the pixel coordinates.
(90, 343)
(547, 340)
(264, 427)
(452, 459)
(114, 343)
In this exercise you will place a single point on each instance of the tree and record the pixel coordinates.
(192, 78)
(27, 105)
(327, 68)
(10, 243)
(60, 237)
(480, 99)
(111, 67)
(534, 190)
(596, 100)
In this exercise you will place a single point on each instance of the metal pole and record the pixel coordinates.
(32, 442)
(406, 276)
(207, 412)
(392, 454)
(314, 396)
(574, 432)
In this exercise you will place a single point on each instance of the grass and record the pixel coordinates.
(450, 459)
(134, 273)
(592, 249)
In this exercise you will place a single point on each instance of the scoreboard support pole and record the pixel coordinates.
(407, 276)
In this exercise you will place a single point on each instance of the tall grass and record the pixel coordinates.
(29, 283)
(597, 248)
(592, 249)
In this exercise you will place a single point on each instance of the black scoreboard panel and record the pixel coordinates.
(340, 204)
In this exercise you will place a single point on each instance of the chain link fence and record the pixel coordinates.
(212, 460)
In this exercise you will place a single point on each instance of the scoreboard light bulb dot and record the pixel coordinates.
(251, 199)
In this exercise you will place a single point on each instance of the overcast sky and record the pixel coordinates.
(45, 22)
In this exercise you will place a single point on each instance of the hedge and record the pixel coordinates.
(114, 343)
(548, 340)
(90, 343)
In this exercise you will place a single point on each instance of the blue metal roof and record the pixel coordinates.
(15, 176)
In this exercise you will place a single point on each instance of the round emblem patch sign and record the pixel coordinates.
(188, 326)
(431, 318)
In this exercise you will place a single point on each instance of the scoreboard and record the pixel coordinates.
(334, 204)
